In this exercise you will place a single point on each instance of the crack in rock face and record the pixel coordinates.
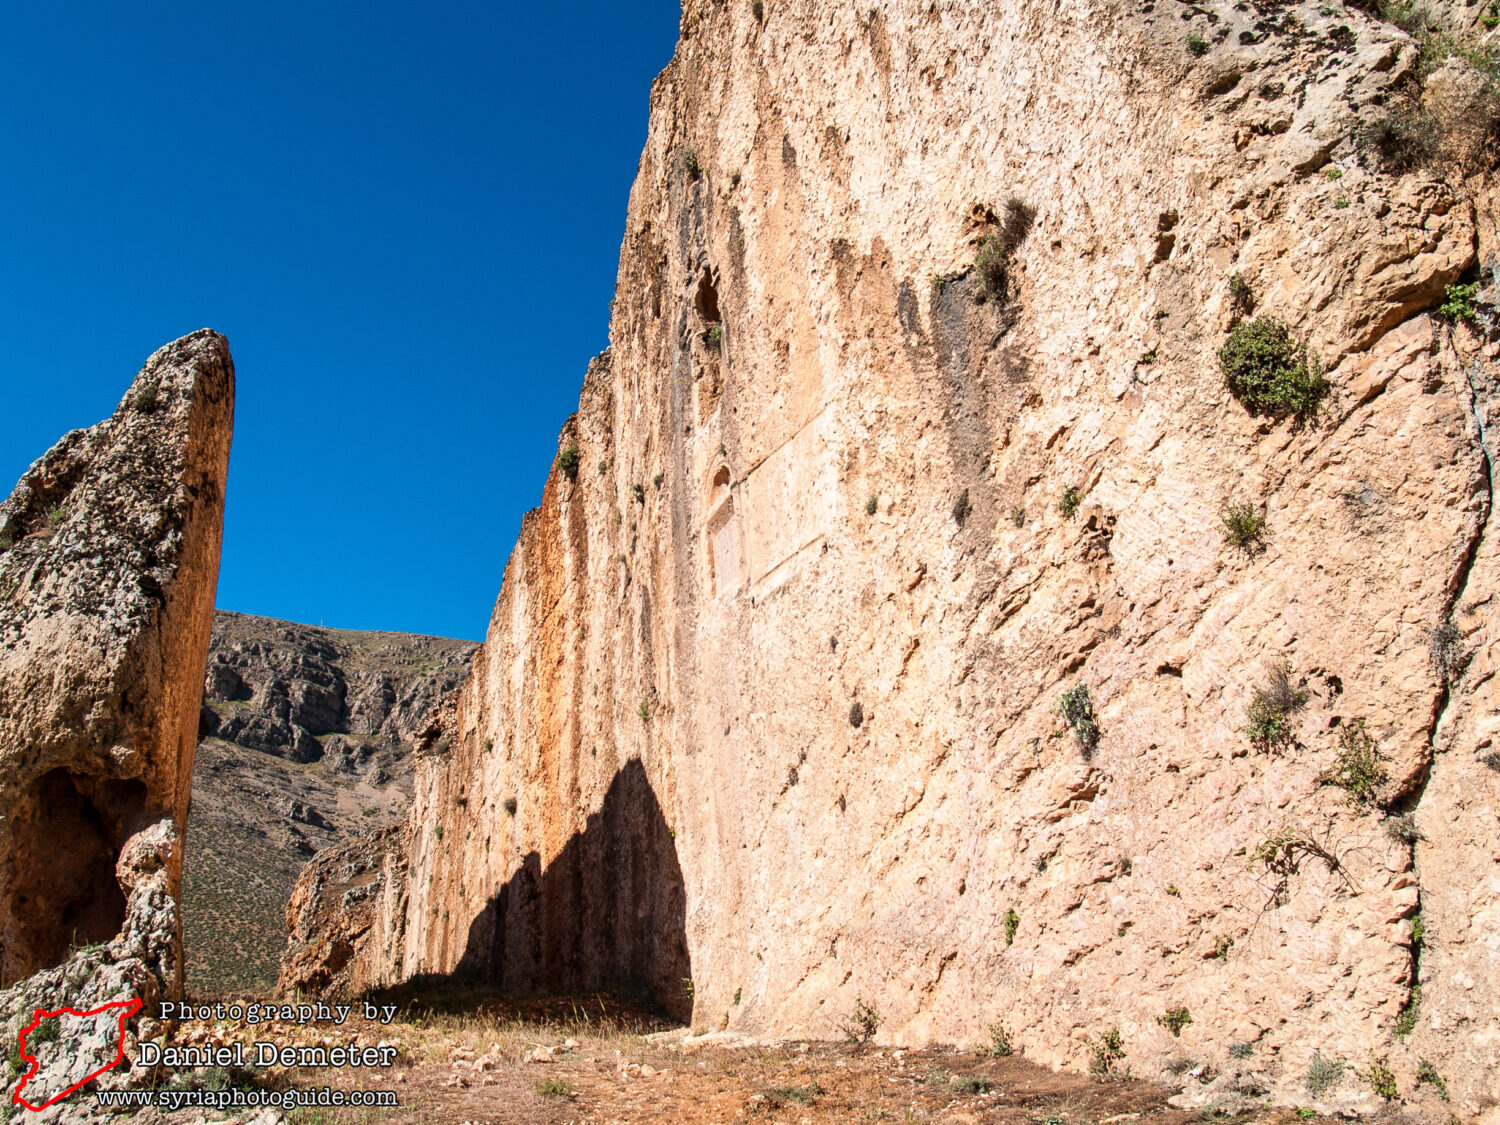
(109, 559)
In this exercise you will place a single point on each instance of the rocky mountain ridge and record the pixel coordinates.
(307, 740)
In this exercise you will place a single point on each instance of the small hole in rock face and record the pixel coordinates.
(1168, 670)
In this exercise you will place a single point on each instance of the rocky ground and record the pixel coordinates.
(590, 1059)
(307, 742)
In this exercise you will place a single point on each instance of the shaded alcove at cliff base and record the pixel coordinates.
(60, 890)
(607, 914)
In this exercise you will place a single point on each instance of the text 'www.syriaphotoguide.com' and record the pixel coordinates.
(243, 1099)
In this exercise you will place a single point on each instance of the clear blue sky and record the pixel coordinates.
(406, 218)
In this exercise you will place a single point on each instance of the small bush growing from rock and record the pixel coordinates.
(1428, 1073)
(55, 517)
(509, 805)
(1458, 303)
(1404, 829)
(992, 263)
(1381, 1081)
(857, 715)
(1012, 924)
(1411, 1011)
(1241, 296)
(1105, 1052)
(1272, 705)
(962, 508)
(690, 162)
(1174, 1020)
(644, 711)
(1357, 769)
(1197, 45)
(1077, 710)
(1268, 373)
(146, 397)
(1222, 945)
(1241, 1050)
(439, 831)
(1244, 527)
(1448, 656)
(969, 1084)
(1068, 503)
(554, 1088)
(713, 336)
(656, 480)
(1492, 760)
(639, 492)
(1000, 1046)
(862, 1023)
(758, 10)
(568, 460)
(1018, 517)
(1322, 1074)
(872, 505)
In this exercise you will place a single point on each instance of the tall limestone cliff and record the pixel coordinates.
(878, 638)
(109, 559)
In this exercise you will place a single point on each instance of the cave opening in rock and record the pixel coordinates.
(706, 303)
(61, 891)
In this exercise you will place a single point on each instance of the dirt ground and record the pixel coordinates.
(589, 1060)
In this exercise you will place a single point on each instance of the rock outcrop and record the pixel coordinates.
(877, 640)
(308, 737)
(109, 559)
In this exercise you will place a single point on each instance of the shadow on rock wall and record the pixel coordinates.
(608, 913)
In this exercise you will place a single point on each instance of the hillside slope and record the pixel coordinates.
(308, 741)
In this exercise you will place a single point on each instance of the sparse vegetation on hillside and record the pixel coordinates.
(1323, 1074)
(690, 162)
(992, 263)
(1068, 503)
(568, 460)
(1269, 373)
(1379, 1078)
(146, 397)
(1272, 705)
(1357, 769)
(1197, 45)
(1244, 527)
(1012, 924)
(872, 505)
(1453, 122)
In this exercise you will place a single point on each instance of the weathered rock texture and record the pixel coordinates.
(107, 578)
(785, 657)
(308, 741)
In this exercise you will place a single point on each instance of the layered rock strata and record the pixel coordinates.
(109, 559)
(911, 423)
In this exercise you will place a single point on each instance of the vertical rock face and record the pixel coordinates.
(107, 576)
(913, 421)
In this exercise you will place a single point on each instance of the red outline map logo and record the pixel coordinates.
(128, 1009)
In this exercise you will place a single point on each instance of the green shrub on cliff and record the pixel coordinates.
(1268, 372)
